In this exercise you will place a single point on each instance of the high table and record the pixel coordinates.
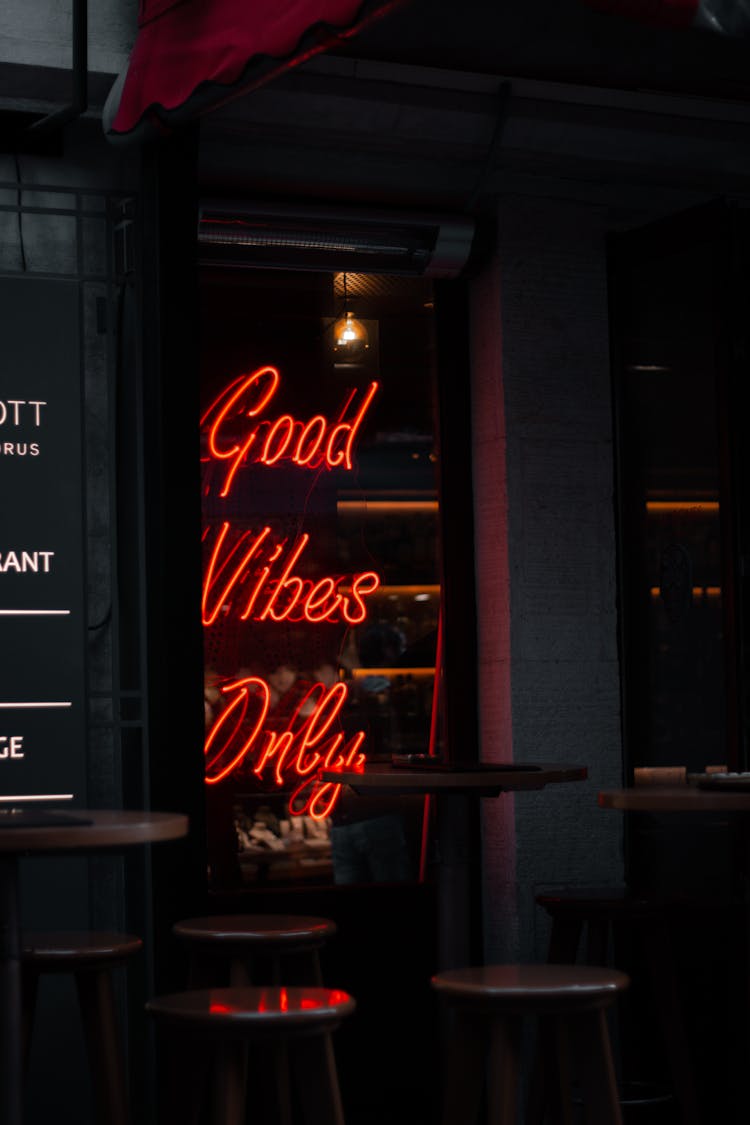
(689, 798)
(721, 797)
(454, 787)
(678, 798)
(86, 830)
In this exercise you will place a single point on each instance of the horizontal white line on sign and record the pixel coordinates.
(40, 797)
(11, 706)
(34, 613)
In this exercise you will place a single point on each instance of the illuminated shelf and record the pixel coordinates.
(419, 592)
(378, 507)
(682, 506)
(433, 591)
(698, 591)
(417, 673)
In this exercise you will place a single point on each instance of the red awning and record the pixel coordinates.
(192, 55)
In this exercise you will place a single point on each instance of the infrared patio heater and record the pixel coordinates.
(276, 236)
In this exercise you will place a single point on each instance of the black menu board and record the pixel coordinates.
(42, 582)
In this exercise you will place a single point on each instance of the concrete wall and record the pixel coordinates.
(38, 33)
(62, 231)
(544, 456)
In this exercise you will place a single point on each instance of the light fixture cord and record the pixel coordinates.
(19, 212)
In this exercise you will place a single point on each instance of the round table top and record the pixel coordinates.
(106, 828)
(254, 1009)
(681, 798)
(484, 780)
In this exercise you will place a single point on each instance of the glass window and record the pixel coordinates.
(321, 578)
(668, 390)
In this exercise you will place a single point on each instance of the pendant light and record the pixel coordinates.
(350, 337)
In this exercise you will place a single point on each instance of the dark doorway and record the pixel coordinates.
(676, 291)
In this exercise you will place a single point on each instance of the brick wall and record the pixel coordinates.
(544, 511)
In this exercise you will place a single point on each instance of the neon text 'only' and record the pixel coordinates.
(309, 743)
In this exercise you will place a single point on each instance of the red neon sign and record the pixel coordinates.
(308, 744)
(234, 581)
(251, 575)
(312, 444)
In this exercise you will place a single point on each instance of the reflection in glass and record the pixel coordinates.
(321, 586)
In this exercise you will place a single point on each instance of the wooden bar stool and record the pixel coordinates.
(596, 915)
(294, 1024)
(233, 948)
(488, 1005)
(91, 959)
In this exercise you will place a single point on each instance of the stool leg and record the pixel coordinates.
(182, 1077)
(283, 1084)
(544, 1064)
(550, 1091)
(597, 942)
(195, 971)
(317, 972)
(562, 1104)
(502, 1070)
(656, 946)
(229, 1083)
(565, 937)
(464, 1066)
(590, 1037)
(314, 1069)
(239, 973)
(564, 941)
(97, 1004)
(204, 971)
(29, 988)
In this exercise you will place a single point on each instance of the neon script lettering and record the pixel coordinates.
(309, 743)
(251, 575)
(254, 576)
(311, 444)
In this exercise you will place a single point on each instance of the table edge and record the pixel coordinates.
(398, 779)
(672, 799)
(110, 828)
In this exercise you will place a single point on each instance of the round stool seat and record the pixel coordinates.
(487, 1006)
(606, 915)
(254, 949)
(522, 988)
(72, 950)
(91, 958)
(254, 1011)
(257, 932)
(252, 1035)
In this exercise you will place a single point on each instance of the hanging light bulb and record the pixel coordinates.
(350, 337)
(349, 331)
